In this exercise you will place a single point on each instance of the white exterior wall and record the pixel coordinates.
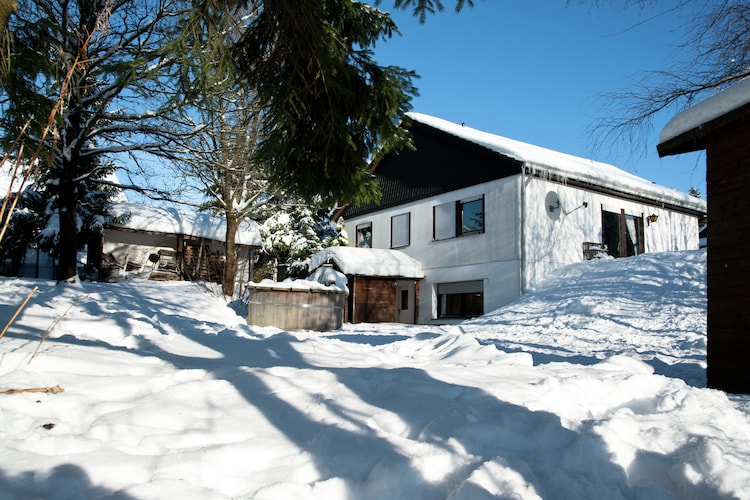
(542, 244)
(493, 256)
(552, 242)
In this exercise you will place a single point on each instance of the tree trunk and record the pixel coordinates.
(68, 243)
(230, 265)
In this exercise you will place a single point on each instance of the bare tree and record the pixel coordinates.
(219, 159)
(715, 53)
(218, 162)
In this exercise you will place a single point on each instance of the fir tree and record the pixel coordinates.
(327, 104)
(292, 234)
(81, 75)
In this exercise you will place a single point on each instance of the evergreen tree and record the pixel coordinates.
(24, 231)
(293, 233)
(83, 72)
(327, 105)
(694, 191)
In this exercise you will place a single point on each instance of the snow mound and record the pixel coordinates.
(652, 306)
(167, 392)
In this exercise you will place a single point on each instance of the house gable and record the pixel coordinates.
(441, 163)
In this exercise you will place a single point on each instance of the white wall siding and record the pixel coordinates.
(493, 256)
(523, 241)
(555, 241)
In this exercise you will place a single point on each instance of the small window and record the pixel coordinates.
(400, 230)
(458, 218)
(464, 299)
(364, 235)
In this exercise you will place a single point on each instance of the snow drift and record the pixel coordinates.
(589, 387)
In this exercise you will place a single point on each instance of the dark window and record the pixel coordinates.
(458, 218)
(622, 234)
(404, 299)
(472, 216)
(463, 299)
(364, 235)
(400, 230)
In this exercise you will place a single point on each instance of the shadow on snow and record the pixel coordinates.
(481, 428)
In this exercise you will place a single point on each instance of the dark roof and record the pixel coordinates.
(441, 163)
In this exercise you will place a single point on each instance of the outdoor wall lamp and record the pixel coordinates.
(652, 218)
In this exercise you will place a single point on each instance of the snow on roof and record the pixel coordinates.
(374, 262)
(542, 160)
(172, 221)
(706, 111)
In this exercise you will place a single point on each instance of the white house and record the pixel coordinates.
(488, 217)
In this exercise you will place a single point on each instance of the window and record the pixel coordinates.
(364, 235)
(622, 234)
(464, 299)
(472, 216)
(400, 230)
(458, 218)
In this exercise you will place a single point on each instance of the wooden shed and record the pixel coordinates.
(294, 306)
(165, 243)
(721, 126)
(383, 284)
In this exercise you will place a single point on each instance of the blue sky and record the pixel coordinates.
(535, 71)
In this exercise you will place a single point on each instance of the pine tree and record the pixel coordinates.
(84, 71)
(327, 104)
(295, 232)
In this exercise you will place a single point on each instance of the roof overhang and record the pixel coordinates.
(146, 219)
(690, 129)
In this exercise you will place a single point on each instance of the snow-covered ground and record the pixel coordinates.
(591, 386)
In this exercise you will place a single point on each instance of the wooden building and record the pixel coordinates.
(720, 125)
(383, 284)
(165, 243)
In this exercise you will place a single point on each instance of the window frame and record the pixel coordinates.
(406, 231)
(467, 294)
(460, 215)
(359, 230)
(626, 247)
(448, 219)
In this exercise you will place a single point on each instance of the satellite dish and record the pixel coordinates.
(552, 205)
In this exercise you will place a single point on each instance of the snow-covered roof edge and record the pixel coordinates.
(698, 117)
(375, 262)
(169, 220)
(541, 160)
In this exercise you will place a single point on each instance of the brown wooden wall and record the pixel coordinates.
(295, 309)
(373, 300)
(728, 194)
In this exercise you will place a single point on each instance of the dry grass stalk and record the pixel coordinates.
(47, 390)
(18, 311)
